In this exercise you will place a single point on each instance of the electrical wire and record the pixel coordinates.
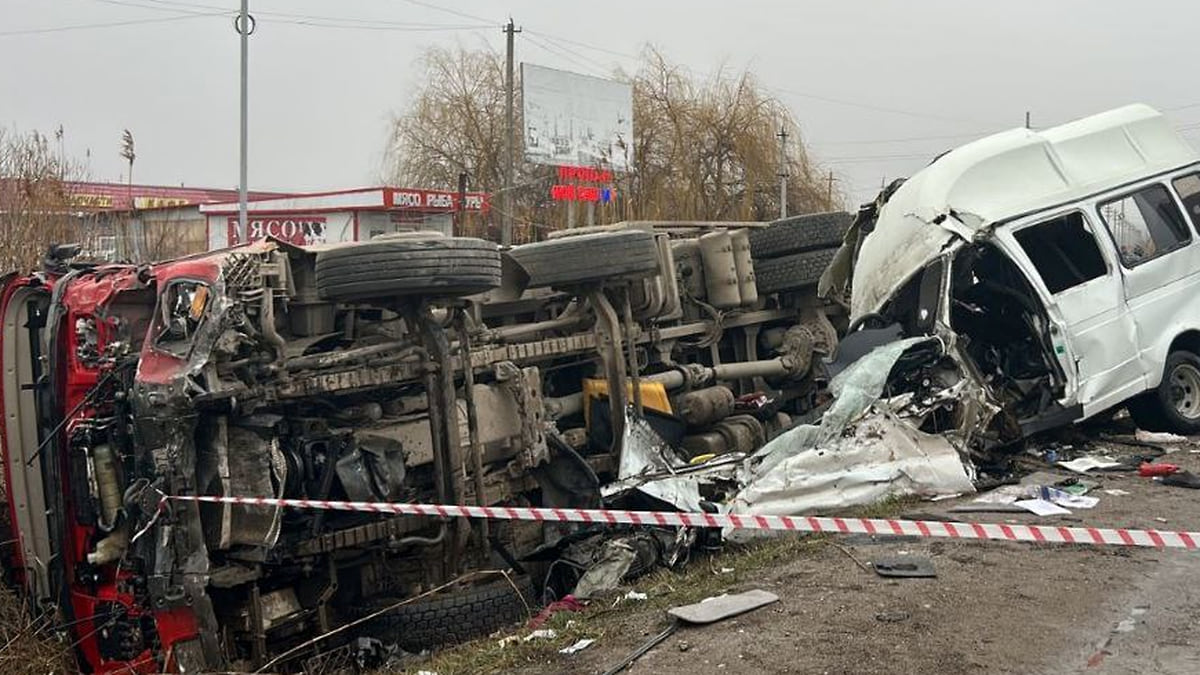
(873, 107)
(879, 158)
(109, 24)
(585, 45)
(549, 49)
(320, 21)
(565, 46)
(454, 12)
(885, 141)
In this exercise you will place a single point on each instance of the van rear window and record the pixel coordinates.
(1064, 252)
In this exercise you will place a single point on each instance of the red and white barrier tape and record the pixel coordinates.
(1094, 536)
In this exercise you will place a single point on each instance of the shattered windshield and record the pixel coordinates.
(181, 310)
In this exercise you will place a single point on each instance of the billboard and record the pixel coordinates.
(576, 119)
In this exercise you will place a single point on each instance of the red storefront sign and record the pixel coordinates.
(435, 200)
(299, 230)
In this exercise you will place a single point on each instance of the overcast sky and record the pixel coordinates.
(878, 87)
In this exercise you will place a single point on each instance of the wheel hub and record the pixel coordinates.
(1185, 390)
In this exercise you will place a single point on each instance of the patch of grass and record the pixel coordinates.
(889, 507)
(26, 644)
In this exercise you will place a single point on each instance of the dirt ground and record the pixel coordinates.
(993, 608)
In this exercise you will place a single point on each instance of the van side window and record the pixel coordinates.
(1063, 251)
(1188, 188)
(1145, 224)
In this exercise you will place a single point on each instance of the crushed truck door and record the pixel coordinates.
(1092, 331)
(23, 304)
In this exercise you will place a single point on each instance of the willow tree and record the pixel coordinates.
(708, 148)
(704, 148)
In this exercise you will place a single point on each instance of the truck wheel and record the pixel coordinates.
(588, 257)
(446, 266)
(451, 618)
(1175, 404)
(799, 233)
(791, 272)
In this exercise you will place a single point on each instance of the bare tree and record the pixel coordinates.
(703, 149)
(35, 200)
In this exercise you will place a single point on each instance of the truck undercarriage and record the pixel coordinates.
(410, 368)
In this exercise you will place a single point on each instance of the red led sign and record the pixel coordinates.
(584, 174)
(581, 193)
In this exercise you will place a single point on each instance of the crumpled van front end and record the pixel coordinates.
(1000, 249)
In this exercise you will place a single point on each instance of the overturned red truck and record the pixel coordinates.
(412, 368)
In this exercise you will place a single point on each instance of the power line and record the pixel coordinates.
(549, 49)
(297, 19)
(454, 12)
(871, 106)
(110, 24)
(565, 46)
(883, 141)
(580, 44)
(877, 158)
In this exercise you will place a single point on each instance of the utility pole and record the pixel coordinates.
(829, 190)
(1027, 120)
(506, 222)
(244, 24)
(783, 171)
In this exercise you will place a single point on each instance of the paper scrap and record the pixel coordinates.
(1089, 462)
(1116, 492)
(634, 595)
(577, 647)
(1042, 507)
(541, 634)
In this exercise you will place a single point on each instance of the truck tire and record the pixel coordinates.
(799, 233)
(446, 266)
(451, 618)
(793, 271)
(1174, 405)
(588, 257)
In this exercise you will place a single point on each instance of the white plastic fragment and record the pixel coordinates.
(577, 647)
(1161, 438)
